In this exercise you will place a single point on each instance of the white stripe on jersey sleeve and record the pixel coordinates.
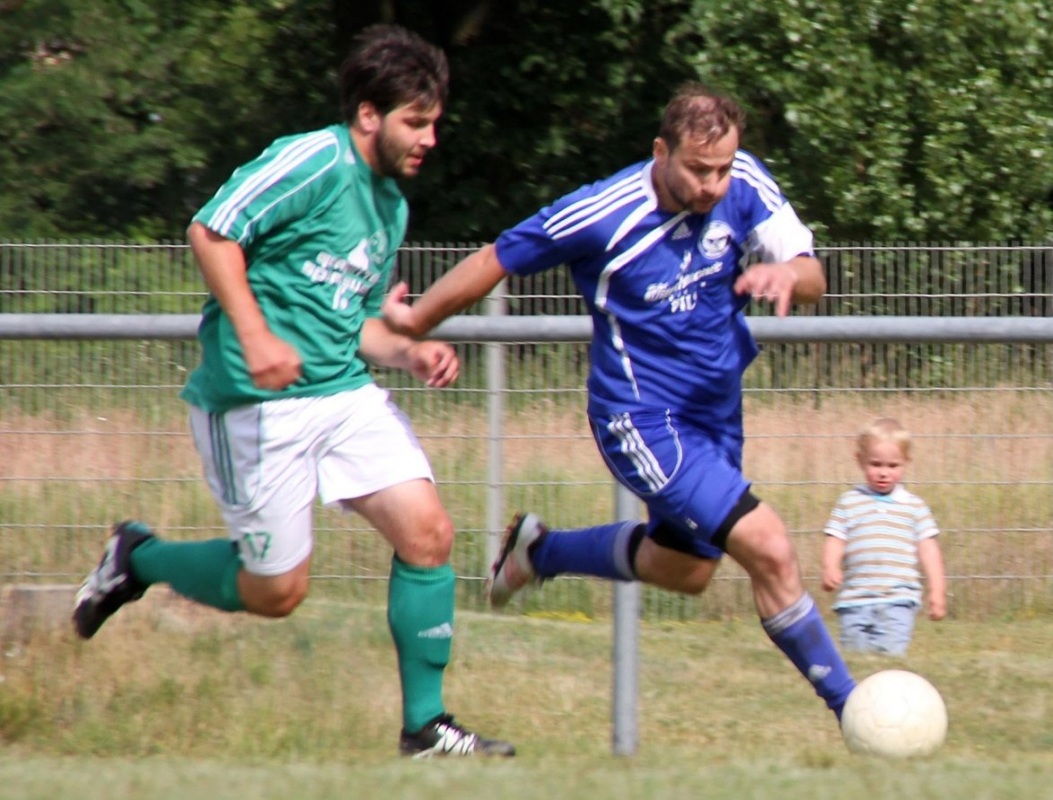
(592, 207)
(292, 156)
(598, 214)
(746, 168)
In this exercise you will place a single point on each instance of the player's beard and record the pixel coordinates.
(393, 161)
(687, 202)
(674, 195)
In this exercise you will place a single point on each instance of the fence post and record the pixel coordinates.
(626, 655)
(496, 306)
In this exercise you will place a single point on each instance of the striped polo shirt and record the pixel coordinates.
(881, 535)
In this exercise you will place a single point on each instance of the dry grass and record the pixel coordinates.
(982, 459)
(979, 434)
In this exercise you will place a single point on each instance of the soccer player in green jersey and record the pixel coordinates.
(297, 249)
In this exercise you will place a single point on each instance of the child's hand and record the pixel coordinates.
(832, 579)
(937, 608)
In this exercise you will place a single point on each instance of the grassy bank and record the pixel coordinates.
(170, 701)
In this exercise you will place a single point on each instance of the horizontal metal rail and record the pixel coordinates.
(569, 328)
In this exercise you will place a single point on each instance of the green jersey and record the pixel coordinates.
(320, 231)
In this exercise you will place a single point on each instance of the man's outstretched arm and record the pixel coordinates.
(469, 281)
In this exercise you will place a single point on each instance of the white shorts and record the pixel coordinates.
(265, 464)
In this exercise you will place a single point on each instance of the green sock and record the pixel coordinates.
(420, 616)
(206, 572)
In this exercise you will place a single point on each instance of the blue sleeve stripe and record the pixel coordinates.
(288, 159)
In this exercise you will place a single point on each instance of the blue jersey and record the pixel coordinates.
(668, 330)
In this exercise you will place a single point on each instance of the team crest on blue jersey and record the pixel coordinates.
(715, 239)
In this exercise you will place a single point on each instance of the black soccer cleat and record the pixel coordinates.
(444, 737)
(111, 584)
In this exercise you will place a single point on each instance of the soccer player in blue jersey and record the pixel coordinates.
(666, 254)
(297, 249)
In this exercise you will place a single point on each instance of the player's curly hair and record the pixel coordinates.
(699, 114)
(389, 67)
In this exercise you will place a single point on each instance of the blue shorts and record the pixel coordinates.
(689, 477)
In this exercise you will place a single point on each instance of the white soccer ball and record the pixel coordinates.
(894, 714)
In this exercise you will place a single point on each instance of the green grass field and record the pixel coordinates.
(171, 701)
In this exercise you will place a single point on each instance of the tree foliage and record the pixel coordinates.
(549, 96)
(112, 112)
(896, 119)
(883, 119)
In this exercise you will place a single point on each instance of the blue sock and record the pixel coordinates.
(602, 551)
(800, 633)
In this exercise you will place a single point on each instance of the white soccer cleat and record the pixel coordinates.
(513, 569)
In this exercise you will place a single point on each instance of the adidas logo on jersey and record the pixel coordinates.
(682, 231)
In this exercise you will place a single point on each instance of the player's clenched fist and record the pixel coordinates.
(272, 363)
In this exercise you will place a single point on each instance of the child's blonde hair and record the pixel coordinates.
(885, 429)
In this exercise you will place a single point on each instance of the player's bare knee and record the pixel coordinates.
(777, 565)
(275, 597)
(694, 586)
(767, 554)
(434, 542)
(290, 599)
(443, 536)
(427, 544)
(696, 582)
(282, 604)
